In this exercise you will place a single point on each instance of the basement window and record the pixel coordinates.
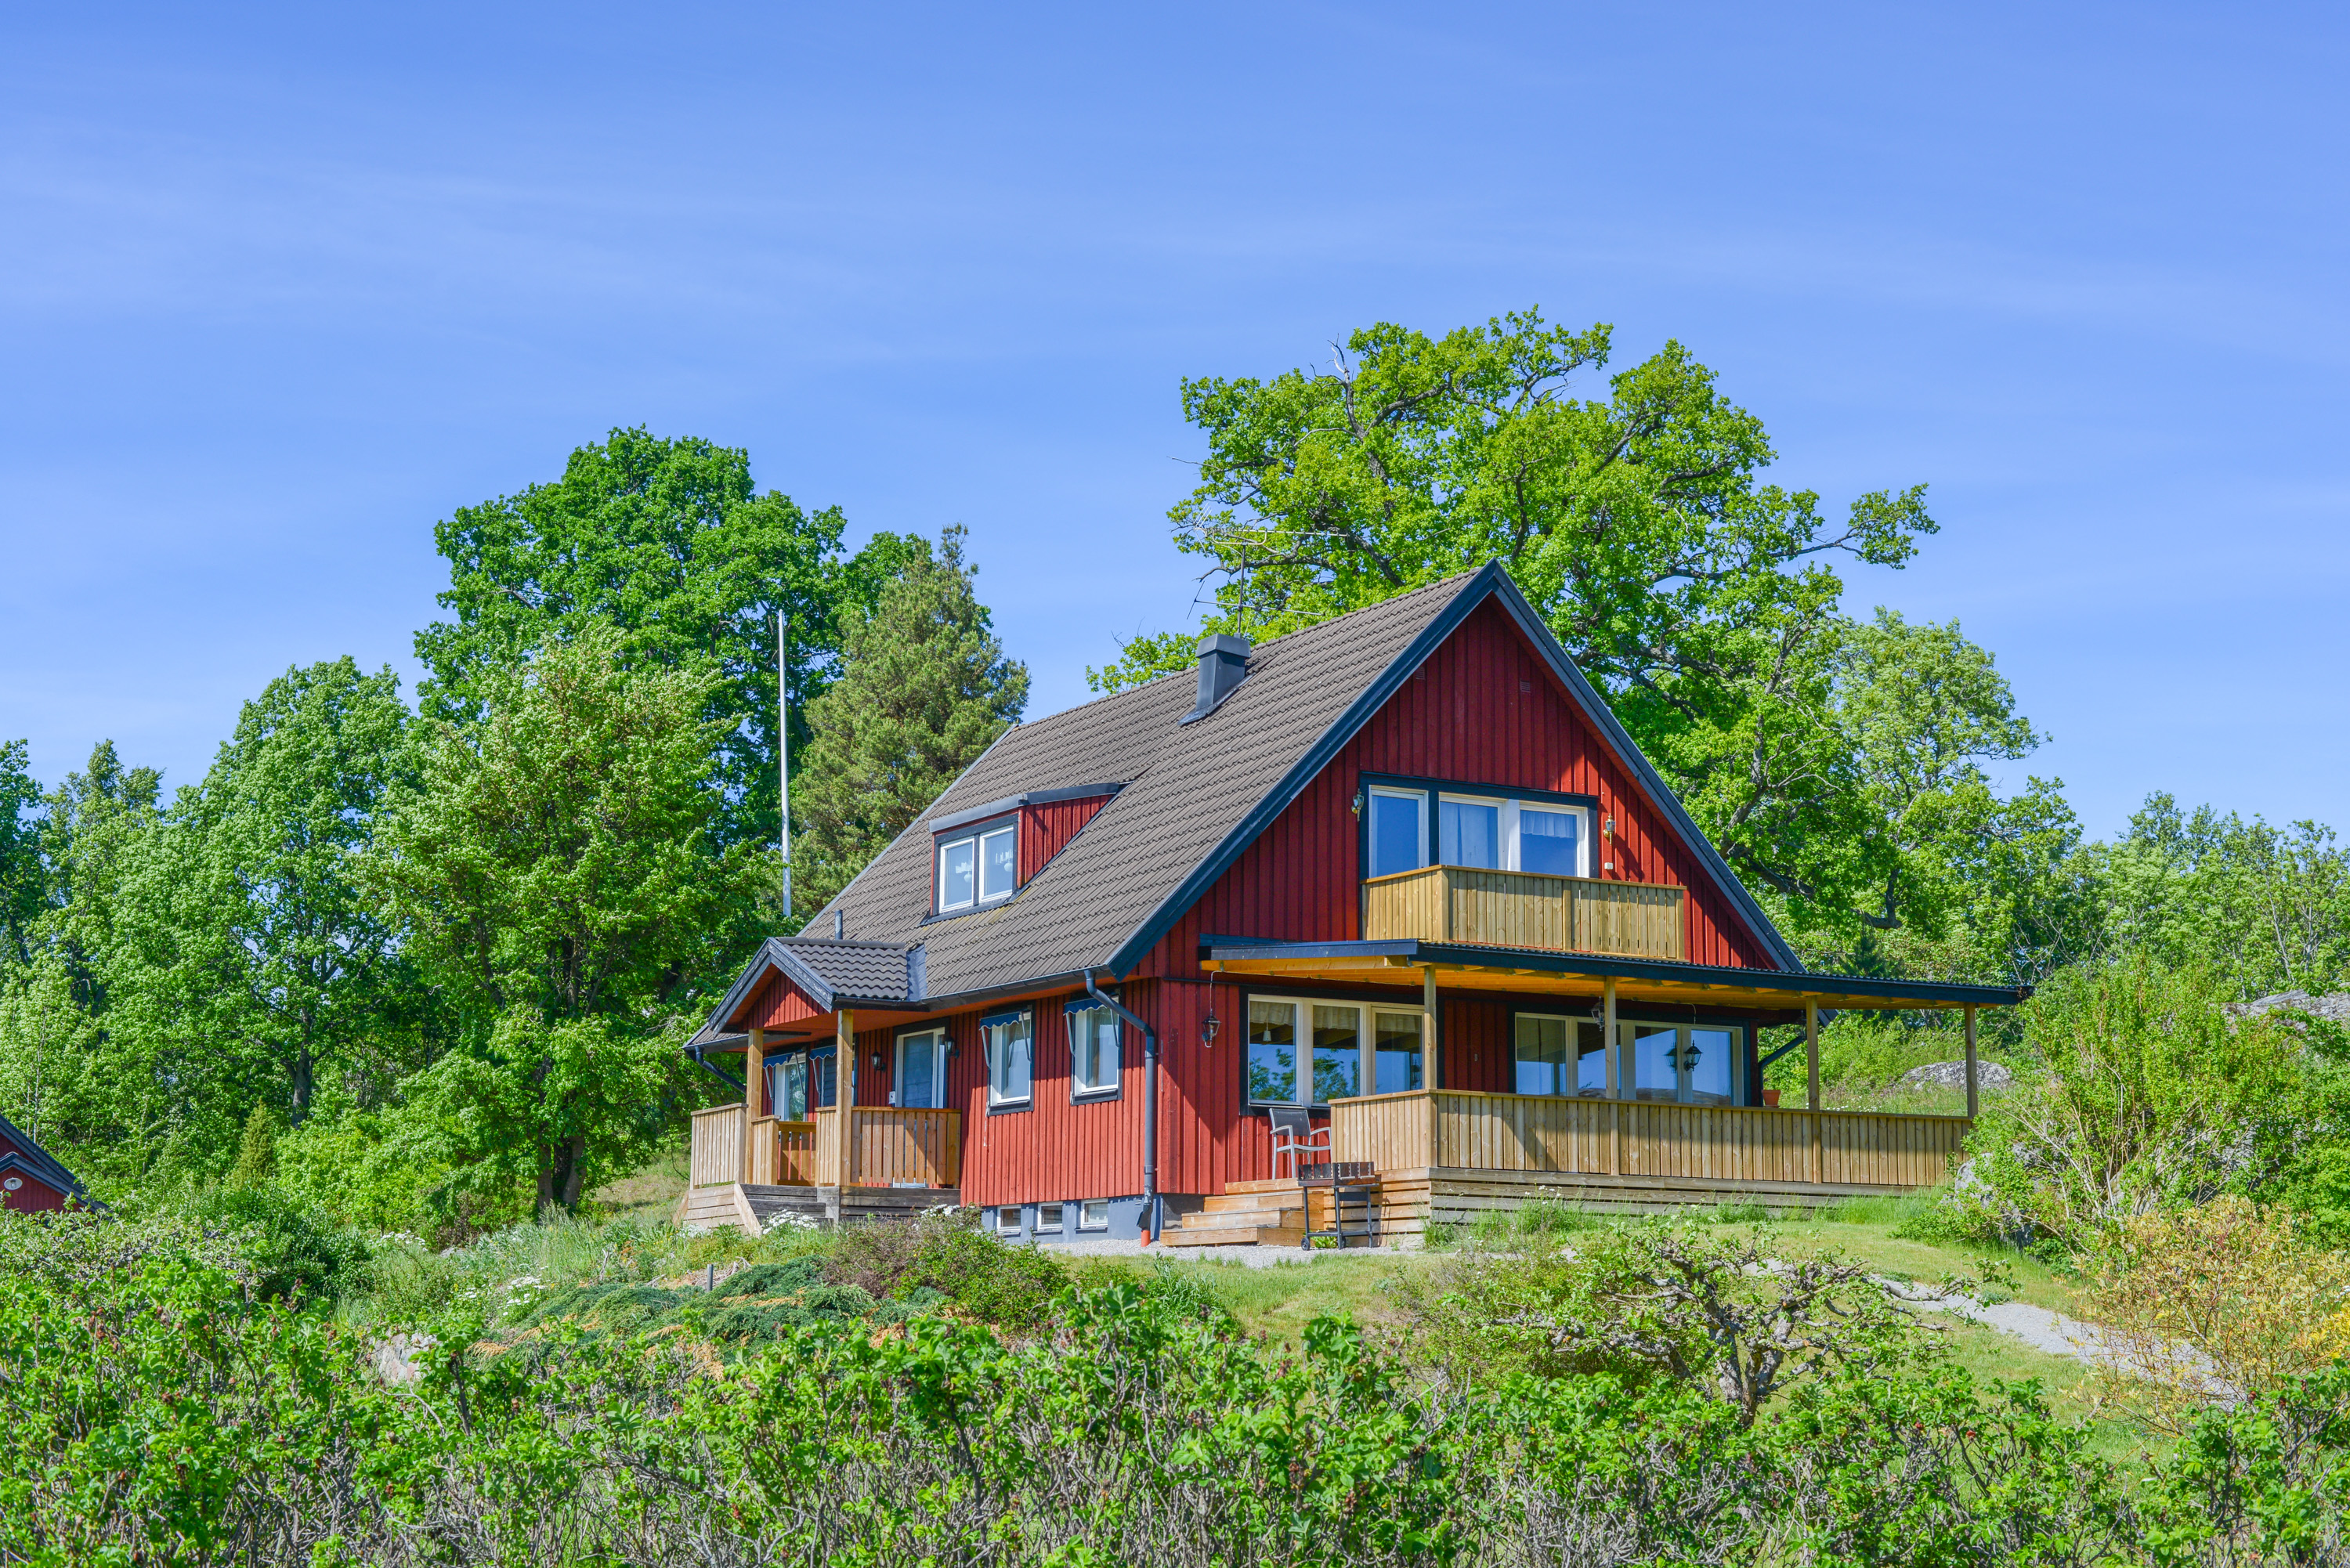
(1048, 1219)
(1092, 1214)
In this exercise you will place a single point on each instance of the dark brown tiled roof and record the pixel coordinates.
(852, 969)
(1187, 788)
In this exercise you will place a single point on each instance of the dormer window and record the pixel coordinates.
(977, 865)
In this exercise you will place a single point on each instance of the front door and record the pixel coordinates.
(921, 1070)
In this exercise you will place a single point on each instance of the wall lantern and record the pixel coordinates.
(1208, 1030)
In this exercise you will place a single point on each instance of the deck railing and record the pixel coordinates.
(1525, 910)
(714, 1156)
(1465, 1130)
(783, 1154)
(893, 1148)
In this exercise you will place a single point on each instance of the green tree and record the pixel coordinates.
(244, 937)
(2265, 908)
(925, 689)
(553, 869)
(1635, 517)
(24, 878)
(668, 540)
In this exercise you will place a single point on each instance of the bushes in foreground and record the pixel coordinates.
(160, 1408)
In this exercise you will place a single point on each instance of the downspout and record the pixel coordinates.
(703, 1063)
(1150, 1215)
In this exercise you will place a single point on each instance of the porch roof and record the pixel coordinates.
(1461, 966)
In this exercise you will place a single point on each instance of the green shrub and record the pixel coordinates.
(294, 1250)
(949, 1253)
(2319, 1194)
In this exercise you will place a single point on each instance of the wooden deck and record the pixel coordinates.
(1460, 1129)
(895, 1160)
(1526, 909)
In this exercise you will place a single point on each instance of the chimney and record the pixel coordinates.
(1223, 665)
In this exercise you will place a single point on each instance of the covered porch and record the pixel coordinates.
(1609, 1132)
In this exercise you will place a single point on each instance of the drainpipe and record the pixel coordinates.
(1151, 1216)
(703, 1063)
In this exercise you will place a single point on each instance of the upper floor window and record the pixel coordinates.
(1399, 830)
(1412, 826)
(978, 866)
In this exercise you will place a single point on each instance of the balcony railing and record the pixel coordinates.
(891, 1146)
(1462, 1130)
(1525, 910)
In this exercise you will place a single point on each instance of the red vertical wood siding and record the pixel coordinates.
(1484, 709)
(1045, 830)
(35, 1194)
(777, 1005)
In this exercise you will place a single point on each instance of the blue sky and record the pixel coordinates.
(279, 288)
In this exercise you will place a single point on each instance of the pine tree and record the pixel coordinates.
(926, 687)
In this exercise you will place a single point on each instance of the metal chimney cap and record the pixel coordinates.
(1223, 665)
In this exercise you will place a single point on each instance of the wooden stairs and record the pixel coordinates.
(1246, 1214)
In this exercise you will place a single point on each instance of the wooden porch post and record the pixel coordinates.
(1607, 1037)
(1971, 1102)
(1435, 1076)
(1611, 1056)
(755, 1081)
(845, 1045)
(1812, 1078)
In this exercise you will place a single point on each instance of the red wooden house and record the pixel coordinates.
(1402, 872)
(30, 1178)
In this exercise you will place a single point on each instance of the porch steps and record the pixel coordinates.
(1245, 1214)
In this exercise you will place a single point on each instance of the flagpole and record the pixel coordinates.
(783, 749)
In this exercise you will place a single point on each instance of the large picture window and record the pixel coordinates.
(1308, 1051)
(1689, 1063)
(1092, 1050)
(1010, 1039)
(978, 866)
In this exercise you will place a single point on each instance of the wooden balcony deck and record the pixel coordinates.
(1443, 1155)
(1526, 909)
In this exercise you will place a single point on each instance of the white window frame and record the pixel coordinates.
(1092, 1214)
(1026, 1017)
(977, 836)
(1366, 1073)
(1052, 1220)
(1017, 1227)
(1080, 1089)
(1506, 826)
(1420, 837)
(1628, 1059)
(935, 1040)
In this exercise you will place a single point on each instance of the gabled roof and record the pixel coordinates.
(37, 1162)
(1194, 797)
(828, 973)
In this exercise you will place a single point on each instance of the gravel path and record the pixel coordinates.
(2036, 1327)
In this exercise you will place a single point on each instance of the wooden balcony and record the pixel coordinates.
(1526, 909)
(1732, 1146)
(888, 1148)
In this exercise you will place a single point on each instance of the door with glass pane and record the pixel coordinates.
(921, 1070)
(787, 1089)
(1559, 1056)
